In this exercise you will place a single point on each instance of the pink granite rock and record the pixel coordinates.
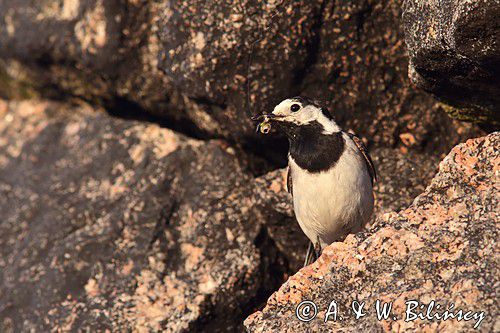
(443, 248)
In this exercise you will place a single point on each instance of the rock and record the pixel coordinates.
(401, 177)
(185, 64)
(101, 51)
(441, 248)
(350, 55)
(275, 203)
(110, 51)
(118, 225)
(455, 55)
(207, 47)
(360, 71)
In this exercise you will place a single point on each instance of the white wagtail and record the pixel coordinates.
(330, 174)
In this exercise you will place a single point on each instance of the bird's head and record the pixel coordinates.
(297, 113)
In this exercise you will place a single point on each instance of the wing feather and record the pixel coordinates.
(289, 184)
(364, 151)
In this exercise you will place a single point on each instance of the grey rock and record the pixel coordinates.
(360, 71)
(110, 224)
(186, 63)
(207, 47)
(402, 175)
(102, 51)
(113, 224)
(455, 55)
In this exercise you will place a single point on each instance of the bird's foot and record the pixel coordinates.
(317, 248)
(313, 252)
(310, 255)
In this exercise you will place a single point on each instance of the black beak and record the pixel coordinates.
(263, 116)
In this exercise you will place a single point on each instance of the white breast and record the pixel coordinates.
(336, 202)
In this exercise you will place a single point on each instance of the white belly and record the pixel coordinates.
(331, 204)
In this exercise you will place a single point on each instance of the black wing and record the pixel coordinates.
(289, 184)
(362, 148)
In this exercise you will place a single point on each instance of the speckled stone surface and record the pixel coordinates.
(349, 54)
(187, 62)
(115, 224)
(455, 54)
(105, 51)
(402, 175)
(360, 71)
(109, 224)
(207, 47)
(443, 248)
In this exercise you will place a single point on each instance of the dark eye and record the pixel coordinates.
(295, 107)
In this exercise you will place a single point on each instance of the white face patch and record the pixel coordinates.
(305, 115)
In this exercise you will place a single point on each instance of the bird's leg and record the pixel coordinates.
(310, 255)
(317, 248)
(313, 252)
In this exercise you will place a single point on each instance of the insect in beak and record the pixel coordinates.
(264, 126)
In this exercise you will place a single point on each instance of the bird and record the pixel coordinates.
(330, 172)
